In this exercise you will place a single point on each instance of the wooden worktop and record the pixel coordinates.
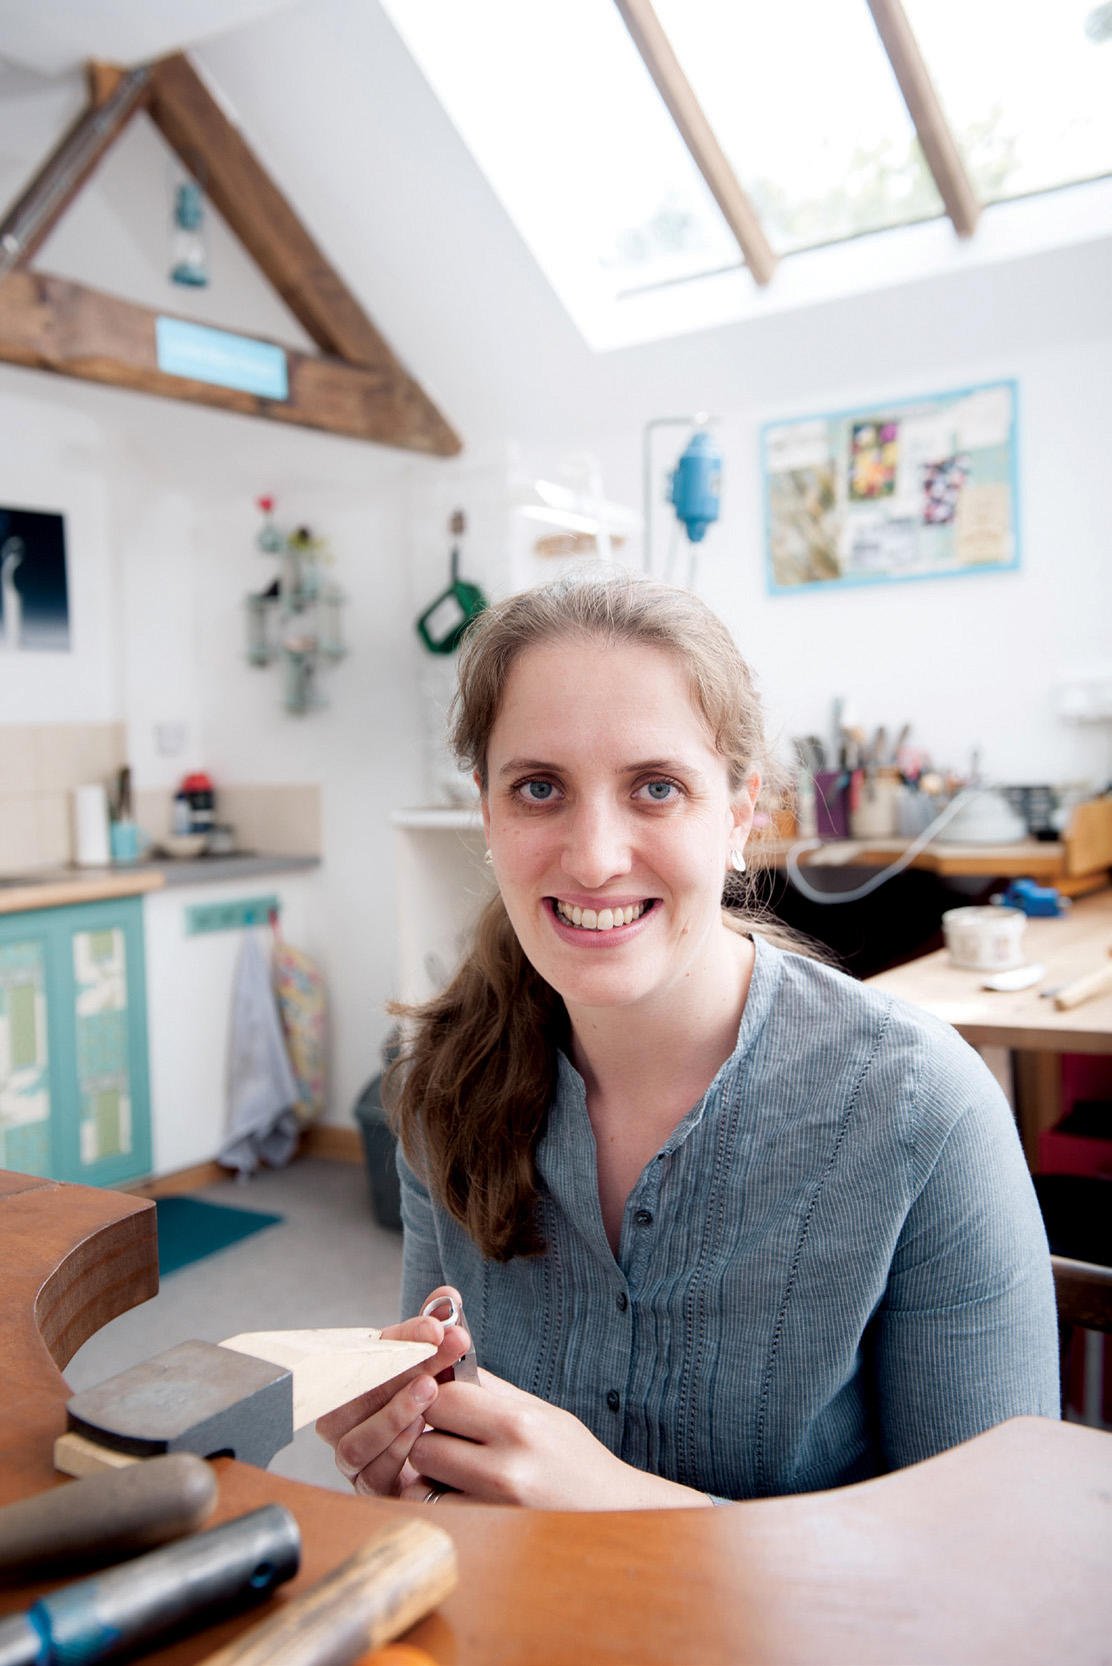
(1068, 947)
(60, 887)
(995, 1552)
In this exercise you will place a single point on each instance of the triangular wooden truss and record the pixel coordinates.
(356, 386)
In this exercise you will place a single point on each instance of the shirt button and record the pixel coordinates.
(643, 1217)
(623, 1301)
(613, 1399)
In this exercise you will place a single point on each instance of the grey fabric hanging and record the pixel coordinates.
(262, 1091)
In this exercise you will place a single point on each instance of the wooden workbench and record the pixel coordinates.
(995, 1552)
(1076, 864)
(1027, 1023)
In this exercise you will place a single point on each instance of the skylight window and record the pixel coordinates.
(1026, 86)
(805, 113)
(563, 118)
(803, 101)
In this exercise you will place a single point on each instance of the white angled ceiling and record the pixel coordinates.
(53, 37)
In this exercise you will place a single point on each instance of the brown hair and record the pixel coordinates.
(472, 1086)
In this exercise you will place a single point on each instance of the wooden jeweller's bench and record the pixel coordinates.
(995, 1552)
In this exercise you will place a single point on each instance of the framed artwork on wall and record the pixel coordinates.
(34, 598)
(905, 489)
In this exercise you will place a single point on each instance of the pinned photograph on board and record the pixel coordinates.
(874, 460)
(803, 505)
(942, 484)
(34, 598)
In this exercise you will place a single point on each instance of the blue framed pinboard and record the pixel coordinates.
(897, 490)
(74, 1095)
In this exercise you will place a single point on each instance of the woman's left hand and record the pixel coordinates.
(496, 1444)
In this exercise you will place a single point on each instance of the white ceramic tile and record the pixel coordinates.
(290, 822)
(238, 807)
(99, 750)
(55, 756)
(274, 820)
(19, 833)
(17, 758)
(152, 810)
(54, 832)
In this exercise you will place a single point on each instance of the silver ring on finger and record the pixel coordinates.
(433, 1495)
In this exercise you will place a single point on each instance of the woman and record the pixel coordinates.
(725, 1223)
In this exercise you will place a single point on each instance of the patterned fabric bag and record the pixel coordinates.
(299, 991)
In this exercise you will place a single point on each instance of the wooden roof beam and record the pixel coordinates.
(698, 135)
(49, 323)
(236, 183)
(34, 215)
(938, 143)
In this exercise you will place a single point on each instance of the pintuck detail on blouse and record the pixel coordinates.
(834, 1266)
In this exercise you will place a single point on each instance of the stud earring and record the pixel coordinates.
(737, 860)
(488, 858)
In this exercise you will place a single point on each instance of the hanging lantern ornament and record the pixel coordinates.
(188, 252)
(296, 619)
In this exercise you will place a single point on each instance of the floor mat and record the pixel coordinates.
(188, 1230)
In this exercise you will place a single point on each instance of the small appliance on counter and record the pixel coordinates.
(200, 803)
(194, 830)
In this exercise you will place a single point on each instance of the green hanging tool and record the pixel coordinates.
(444, 621)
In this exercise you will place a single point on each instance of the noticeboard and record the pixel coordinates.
(903, 489)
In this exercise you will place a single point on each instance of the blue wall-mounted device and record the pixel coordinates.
(693, 489)
(696, 485)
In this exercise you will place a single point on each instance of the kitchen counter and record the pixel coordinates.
(59, 887)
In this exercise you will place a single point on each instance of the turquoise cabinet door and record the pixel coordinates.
(85, 1116)
(27, 1123)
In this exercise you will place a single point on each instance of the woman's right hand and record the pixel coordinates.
(372, 1436)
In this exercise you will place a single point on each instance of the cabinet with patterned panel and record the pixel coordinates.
(74, 1097)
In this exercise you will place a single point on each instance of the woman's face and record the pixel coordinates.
(610, 820)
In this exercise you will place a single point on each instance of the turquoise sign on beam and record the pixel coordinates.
(225, 360)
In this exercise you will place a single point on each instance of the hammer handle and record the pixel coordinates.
(1084, 989)
(390, 1583)
(109, 1515)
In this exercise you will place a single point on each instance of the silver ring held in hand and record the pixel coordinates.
(439, 1301)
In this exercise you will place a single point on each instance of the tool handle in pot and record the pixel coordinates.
(391, 1582)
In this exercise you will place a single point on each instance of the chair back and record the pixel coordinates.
(1083, 1292)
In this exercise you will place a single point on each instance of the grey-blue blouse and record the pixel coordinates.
(835, 1265)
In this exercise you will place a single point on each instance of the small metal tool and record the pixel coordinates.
(466, 1369)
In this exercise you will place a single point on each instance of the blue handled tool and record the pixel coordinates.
(184, 1585)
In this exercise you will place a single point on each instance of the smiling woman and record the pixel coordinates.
(724, 1222)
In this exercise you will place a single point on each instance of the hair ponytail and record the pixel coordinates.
(471, 1088)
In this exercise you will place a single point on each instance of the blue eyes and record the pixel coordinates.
(547, 792)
